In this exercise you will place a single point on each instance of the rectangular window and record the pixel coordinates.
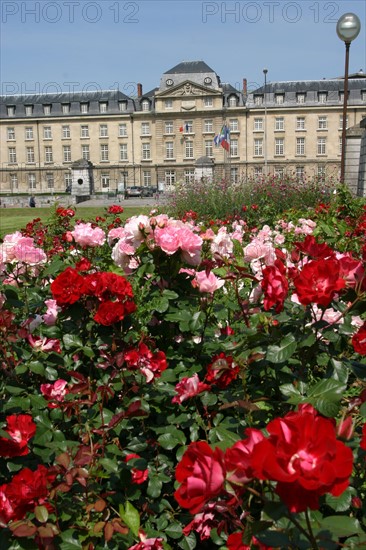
(279, 171)
(30, 155)
(145, 104)
(169, 127)
(322, 123)
(279, 99)
(300, 98)
(84, 131)
(168, 104)
(363, 96)
(340, 145)
(85, 152)
(46, 109)
(321, 171)
(258, 147)
(47, 132)
(146, 174)
(208, 102)
(67, 153)
(233, 101)
(300, 123)
(103, 107)
(10, 109)
(170, 177)
(322, 97)
(234, 125)
(188, 176)
(300, 146)
(123, 151)
(234, 151)
(234, 174)
(122, 105)
(104, 180)
(258, 100)
(258, 124)
(11, 134)
(300, 172)
(145, 129)
(32, 183)
(48, 154)
(321, 147)
(28, 110)
(67, 181)
(188, 127)
(146, 153)
(13, 181)
(280, 123)
(66, 108)
(169, 150)
(258, 171)
(341, 122)
(104, 153)
(50, 180)
(188, 150)
(209, 148)
(66, 132)
(29, 132)
(208, 126)
(122, 130)
(12, 155)
(279, 146)
(103, 130)
(84, 108)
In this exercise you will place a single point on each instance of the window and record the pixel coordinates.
(123, 177)
(188, 150)
(322, 123)
(341, 122)
(322, 97)
(321, 171)
(84, 108)
(300, 146)
(340, 145)
(12, 155)
(234, 151)
(321, 146)
(66, 132)
(50, 180)
(258, 171)
(85, 152)
(209, 148)
(67, 181)
(188, 176)
(300, 98)
(123, 151)
(234, 174)
(169, 128)
(145, 105)
(279, 146)
(234, 125)
(300, 172)
(103, 130)
(32, 183)
(258, 147)
(13, 181)
(146, 153)
(280, 123)
(208, 102)
(122, 105)
(103, 107)
(30, 155)
(47, 132)
(104, 180)
(66, 108)
(48, 154)
(170, 177)
(363, 96)
(28, 110)
(208, 127)
(146, 175)
(168, 104)
(233, 101)
(67, 153)
(46, 109)
(258, 100)
(279, 99)
(10, 109)
(169, 150)
(188, 127)
(122, 130)
(279, 171)
(29, 132)
(258, 124)
(300, 123)
(11, 134)
(145, 128)
(104, 153)
(84, 131)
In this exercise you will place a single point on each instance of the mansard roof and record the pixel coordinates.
(189, 67)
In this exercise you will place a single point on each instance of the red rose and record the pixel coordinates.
(150, 363)
(363, 440)
(68, 287)
(238, 458)
(137, 476)
(316, 250)
(318, 281)
(359, 340)
(304, 456)
(21, 429)
(105, 285)
(201, 473)
(275, 286)
(109, 313)
(235, 542)
(222, 370)
(115, 209)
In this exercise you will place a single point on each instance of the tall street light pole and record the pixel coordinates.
(265, 71)
(348, 28)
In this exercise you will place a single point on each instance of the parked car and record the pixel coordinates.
(133, 191)
(147, 191)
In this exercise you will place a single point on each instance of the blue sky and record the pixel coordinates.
(54, 45)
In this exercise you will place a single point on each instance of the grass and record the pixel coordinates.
(14, 219)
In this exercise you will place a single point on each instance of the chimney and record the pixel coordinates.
(139, 90)
(245, 87)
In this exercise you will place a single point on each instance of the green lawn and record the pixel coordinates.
(13, 219)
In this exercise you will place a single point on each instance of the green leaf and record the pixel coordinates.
(68, 541)
(341, 526)
(222, 434)
(172, 438)
(109, 465)
(130, 517)
(283, 352)
(329, 389)
(341, 503)
(71, 341)
(37, 367)
(188, 543)
(174, 530)
(41, 513)
(154, 487)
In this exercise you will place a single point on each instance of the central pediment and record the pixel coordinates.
(188, 89)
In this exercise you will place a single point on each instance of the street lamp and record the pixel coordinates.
(265, 71)
(348, 28)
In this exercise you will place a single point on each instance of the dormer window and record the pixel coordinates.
(258, 100)
(122, 105)
(103, 107)
(10, 110)
(363, 96)
(233, 101)
(66, 108)
(168, 104)
(322, 97)
(300, 98)
(28, 110)
(145, 105)
(46, 109)
(280, 99)
(84, 108)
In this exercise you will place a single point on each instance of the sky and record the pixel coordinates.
(69, 45)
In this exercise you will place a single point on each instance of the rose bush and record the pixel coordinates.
(177, 383)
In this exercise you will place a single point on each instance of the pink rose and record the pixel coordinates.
(189, 387)
(86, 235)
(207, 283)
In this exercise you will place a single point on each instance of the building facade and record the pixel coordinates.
(156, 138)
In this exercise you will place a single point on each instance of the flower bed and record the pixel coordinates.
(173, 384)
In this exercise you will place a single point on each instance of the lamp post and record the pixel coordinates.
(265, 71)
(348, 28)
